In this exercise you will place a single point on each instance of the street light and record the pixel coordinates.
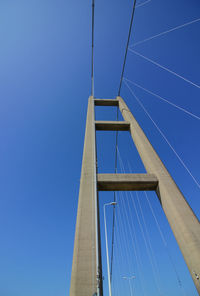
(108, 266)
(129, 278)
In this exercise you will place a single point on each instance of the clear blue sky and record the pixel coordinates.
(45, 60)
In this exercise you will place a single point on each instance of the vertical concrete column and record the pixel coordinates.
(84, 279)
(182, 220)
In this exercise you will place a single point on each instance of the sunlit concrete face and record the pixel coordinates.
(182, 220)
(84, 267)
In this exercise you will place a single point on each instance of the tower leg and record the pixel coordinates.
(182, 220)
(86, 267)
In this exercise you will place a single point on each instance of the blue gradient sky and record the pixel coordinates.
(45, 60)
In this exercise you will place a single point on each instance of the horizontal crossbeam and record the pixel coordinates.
(106, 102)
(112, 126)
(126, 182)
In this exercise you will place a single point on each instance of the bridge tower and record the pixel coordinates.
(86, 278)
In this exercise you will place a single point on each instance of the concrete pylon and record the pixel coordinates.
(183, 222)
(86, 266)
(86, 276)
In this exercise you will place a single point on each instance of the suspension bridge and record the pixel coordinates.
(131, 255)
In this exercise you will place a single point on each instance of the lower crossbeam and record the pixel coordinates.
(126, 182)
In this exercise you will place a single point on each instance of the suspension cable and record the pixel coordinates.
(164, 68)
(127, 45)
(164, 137)
(163, 99)
(165, 245)
(113, 223)
(143, 3)
(116, 146)
(132, 231)
(165, 32)
(155, 273)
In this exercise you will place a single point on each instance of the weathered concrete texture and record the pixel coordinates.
(182, 220)
(112, 126)
(84, 267)
(126, 182)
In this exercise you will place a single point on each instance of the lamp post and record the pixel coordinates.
(106, 239)
(129, 278)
